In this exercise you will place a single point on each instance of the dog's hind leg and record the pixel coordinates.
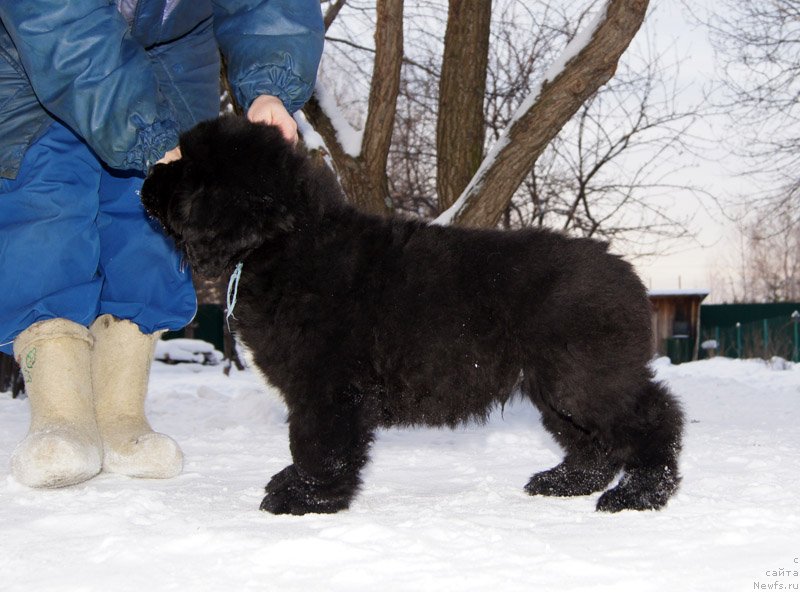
(587, 467)
(652, 431)
(329, 444)
(606, 425)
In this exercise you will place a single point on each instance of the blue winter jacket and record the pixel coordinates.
(129, 75)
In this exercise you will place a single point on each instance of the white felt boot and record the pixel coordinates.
(120, 371)
(63, 444)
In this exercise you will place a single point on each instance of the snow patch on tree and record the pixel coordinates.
(349, 138)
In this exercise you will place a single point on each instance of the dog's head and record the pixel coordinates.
(225, 196)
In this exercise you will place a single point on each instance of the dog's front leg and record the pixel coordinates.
(329, 445)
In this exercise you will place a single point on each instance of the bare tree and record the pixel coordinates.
(772, 258)
(758, 49)
(594, 179)
(763, 262)
(363, 175)
(590, 61)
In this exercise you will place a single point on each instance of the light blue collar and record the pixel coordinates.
(233, 290)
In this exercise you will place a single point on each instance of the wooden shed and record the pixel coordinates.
(676, 323)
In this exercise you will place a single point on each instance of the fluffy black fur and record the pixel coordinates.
(363, 322)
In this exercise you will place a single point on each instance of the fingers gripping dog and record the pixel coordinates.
(364, 322)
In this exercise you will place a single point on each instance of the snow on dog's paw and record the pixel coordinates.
(289, 492)
(565, 481)
(640, 490)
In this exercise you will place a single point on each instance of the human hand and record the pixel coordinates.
(174, 154)
(270, 110)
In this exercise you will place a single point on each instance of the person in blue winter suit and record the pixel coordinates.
(93, 93)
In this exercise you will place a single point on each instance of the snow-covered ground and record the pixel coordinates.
(440, 510)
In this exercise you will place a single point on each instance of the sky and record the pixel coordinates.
(693, 261)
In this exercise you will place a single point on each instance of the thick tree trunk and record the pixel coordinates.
(460, 129)
(365, 189)
(384, 88)
(363, 177)
(503, 170)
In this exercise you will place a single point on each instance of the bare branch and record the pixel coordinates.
(354, 45)
(333, 12)
(484, 201)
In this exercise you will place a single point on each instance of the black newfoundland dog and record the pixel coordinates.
(364, 322)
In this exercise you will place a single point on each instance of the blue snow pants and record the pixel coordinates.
(75, 243)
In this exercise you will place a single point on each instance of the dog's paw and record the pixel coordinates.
(562, 481)
(640, 490)
(290, 492)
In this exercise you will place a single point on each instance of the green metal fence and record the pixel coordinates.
(751, 330)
